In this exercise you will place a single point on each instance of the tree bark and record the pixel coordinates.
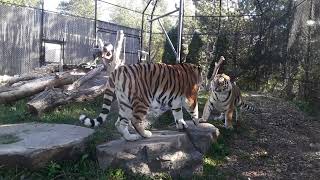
(85, 78)
(53, 97)
(32, 87)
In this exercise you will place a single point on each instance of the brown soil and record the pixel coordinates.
(280, 142)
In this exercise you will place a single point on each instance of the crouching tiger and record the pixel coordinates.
(225, 97)
(140, 87)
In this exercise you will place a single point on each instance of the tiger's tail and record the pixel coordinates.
(247, 107)
(108, 97)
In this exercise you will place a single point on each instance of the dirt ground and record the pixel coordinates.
(281, 142)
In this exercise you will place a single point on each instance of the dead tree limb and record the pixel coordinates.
(81, 90)
(85, 78)
(217, 67)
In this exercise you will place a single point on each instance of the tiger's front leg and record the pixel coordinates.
(228, 119)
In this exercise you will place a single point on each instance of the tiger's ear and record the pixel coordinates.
(199, 68)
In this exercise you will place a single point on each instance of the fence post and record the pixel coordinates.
(95, 22)
(41, 52)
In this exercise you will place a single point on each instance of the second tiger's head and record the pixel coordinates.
(221, 83)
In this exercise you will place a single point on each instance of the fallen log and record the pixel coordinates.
(35, 86)
(53, 97)
(38, 72)
(85, 78)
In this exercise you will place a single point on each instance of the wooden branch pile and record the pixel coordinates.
(48, 88)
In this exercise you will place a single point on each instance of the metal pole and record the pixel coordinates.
(180, 30)
(95, 22)
(62, 57)
(142, 28)
(163, 15)
(150, 31)
(168, 38)
(41, 53)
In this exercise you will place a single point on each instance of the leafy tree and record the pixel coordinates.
(168, 56)
(83, 8)
(195, 47)
(126, 17)
(32, 3)
(221, 49)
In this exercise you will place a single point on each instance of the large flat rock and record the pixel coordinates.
(179, 153)
(32, 145)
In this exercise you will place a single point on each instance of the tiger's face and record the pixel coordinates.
(221, 83)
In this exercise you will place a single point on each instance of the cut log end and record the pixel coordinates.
(32, 110)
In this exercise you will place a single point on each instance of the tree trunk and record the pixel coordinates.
(35, 86)
(54, 97)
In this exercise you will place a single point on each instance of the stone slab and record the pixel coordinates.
(32, 145)
(178, 153)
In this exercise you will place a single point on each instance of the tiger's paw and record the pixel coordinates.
(219, 118)
(229, 127)
(181, 124)
(147, 134)
(131, 137)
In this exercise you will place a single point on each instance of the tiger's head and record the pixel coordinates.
(221, 83)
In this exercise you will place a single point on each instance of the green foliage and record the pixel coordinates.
(168, 56)
(117, 174)
(195, 47)
(83, 8)
(32, 3)
(8, 138)
(125, 17)
(222, 47)
(307, 107)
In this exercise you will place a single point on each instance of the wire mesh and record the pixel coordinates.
(22, 43)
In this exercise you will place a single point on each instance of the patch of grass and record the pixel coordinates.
(306, 107)
(86, 167)
(9, 138)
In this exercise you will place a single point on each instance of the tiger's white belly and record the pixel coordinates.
(156, 108)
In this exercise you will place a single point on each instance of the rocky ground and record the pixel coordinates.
(280, 142)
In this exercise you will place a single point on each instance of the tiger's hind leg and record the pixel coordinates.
(125, 115)
(122, 127)
(138, 121)
(178, 114)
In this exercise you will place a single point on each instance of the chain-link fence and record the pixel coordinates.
(30, 37)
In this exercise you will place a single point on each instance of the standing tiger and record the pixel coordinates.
(225, 97)
(140, 87)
